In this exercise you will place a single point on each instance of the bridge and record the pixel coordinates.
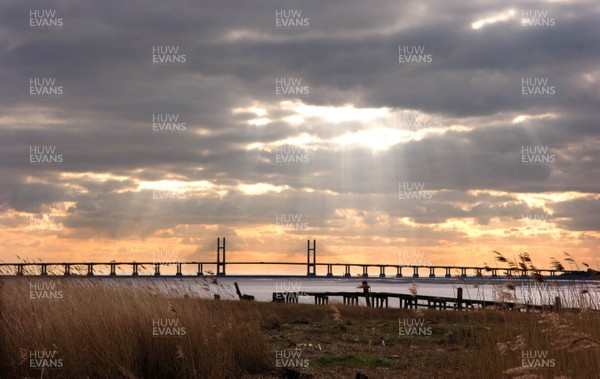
(341, 269)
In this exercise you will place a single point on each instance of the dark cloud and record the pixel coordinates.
(349, 55)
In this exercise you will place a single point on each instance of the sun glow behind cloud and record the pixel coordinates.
(260, 188)
(521, 118)
(176, 186)
(377, 139)
(489, 20)
(261, 113)
(375, 129)
(335, 115)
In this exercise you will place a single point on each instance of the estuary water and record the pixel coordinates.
(580, 293)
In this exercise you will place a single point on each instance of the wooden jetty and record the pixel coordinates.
(381, 300)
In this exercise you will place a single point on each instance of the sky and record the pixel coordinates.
(417, 132)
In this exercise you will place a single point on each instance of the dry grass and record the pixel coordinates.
(537, 289)
(105, 331)
(568, 343)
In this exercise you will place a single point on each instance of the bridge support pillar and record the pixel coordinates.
(365, 273)
(113, 269)
(157, 269)
(431, 272)
(311, 267)
(200, 270)
(19, 270)
(221, 265)
(178, 269)
(398, 271)
(523, 273)
(347, 272)
(448, 275)
(44, 270)
(463, 272)
(329, 271)
(381, 272)
(478, 274)
(90, 269)
(67, 270)
(135, 270)
(415, 272)
(494, 273)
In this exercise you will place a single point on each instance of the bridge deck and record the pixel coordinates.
(51, 268)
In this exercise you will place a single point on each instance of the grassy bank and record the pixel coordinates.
(77, 328)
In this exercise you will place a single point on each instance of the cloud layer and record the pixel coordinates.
(322, 123)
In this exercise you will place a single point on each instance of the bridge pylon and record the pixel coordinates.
(311, 267)
(221, 264)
